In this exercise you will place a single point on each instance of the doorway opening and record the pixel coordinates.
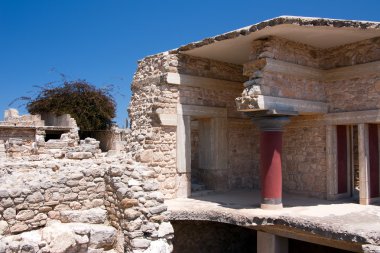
(348, 161)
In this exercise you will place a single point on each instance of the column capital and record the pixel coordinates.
(271, 123)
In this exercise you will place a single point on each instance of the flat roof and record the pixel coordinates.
(235, 46)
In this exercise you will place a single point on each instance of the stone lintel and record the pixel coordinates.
(357, 117)
(202, 111)
(261, 102)
(168, 119)
(202, 82)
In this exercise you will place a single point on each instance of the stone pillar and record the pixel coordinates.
(269, 243)
(183, 155)
(270, 160)
(364, 165)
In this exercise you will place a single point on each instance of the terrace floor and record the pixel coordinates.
(344, 224)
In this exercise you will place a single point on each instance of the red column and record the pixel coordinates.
(271, 171)
(271, 128)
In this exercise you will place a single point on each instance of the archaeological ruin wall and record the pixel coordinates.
(109, 203)
(154, 107)
(172, 84)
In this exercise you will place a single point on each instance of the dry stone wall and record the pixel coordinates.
(108, 203)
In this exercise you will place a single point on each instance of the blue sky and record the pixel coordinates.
(101, 41)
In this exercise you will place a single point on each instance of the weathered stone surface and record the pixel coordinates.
(146, 156)
(35, 197)
(165, 229)
(24, 215)
(158, 209)
(18, 227)
(92, 216)
(102, 236)
(3, 227)
(140, 243)
(127, 203)
(63, 242)
(159, 246)
(79, 155)
(9, 213)
(131, 214)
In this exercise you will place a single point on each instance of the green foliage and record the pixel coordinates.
(92, 108)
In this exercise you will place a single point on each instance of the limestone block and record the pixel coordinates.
(158, 209)
(146, 156)
(92, 216)
(150, 186)
(159, 246)
(24, 215)
(3, 227)
(165, 229)
(131, 214)
(35, 198)
(126, 203)
(79, 155)
(102, 236)
(4, 193)
(140, 243)
(9, 214)
(18, 227)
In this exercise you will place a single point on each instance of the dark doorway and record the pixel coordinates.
(296, 246)
(212, 237)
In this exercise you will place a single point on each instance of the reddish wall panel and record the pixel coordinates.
(342, 158)
(373, 143)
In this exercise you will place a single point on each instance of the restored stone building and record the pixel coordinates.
(278, 123)
(289, 104)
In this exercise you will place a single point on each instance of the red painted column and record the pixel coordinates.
(270, 167)
(270, 160)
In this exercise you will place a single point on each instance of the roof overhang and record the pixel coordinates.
(235, 46)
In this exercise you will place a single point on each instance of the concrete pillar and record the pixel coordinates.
(270, 160)
(269, 243)
(364, 165)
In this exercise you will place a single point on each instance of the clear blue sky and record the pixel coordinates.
(101, 41)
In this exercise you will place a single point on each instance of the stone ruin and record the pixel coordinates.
(65, 195)
(293, 98)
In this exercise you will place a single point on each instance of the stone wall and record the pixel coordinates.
(154, 144)
(287, 85)
(244, 154)
(355, 94)
(110, 191)
(350, 54)
(304, 156)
